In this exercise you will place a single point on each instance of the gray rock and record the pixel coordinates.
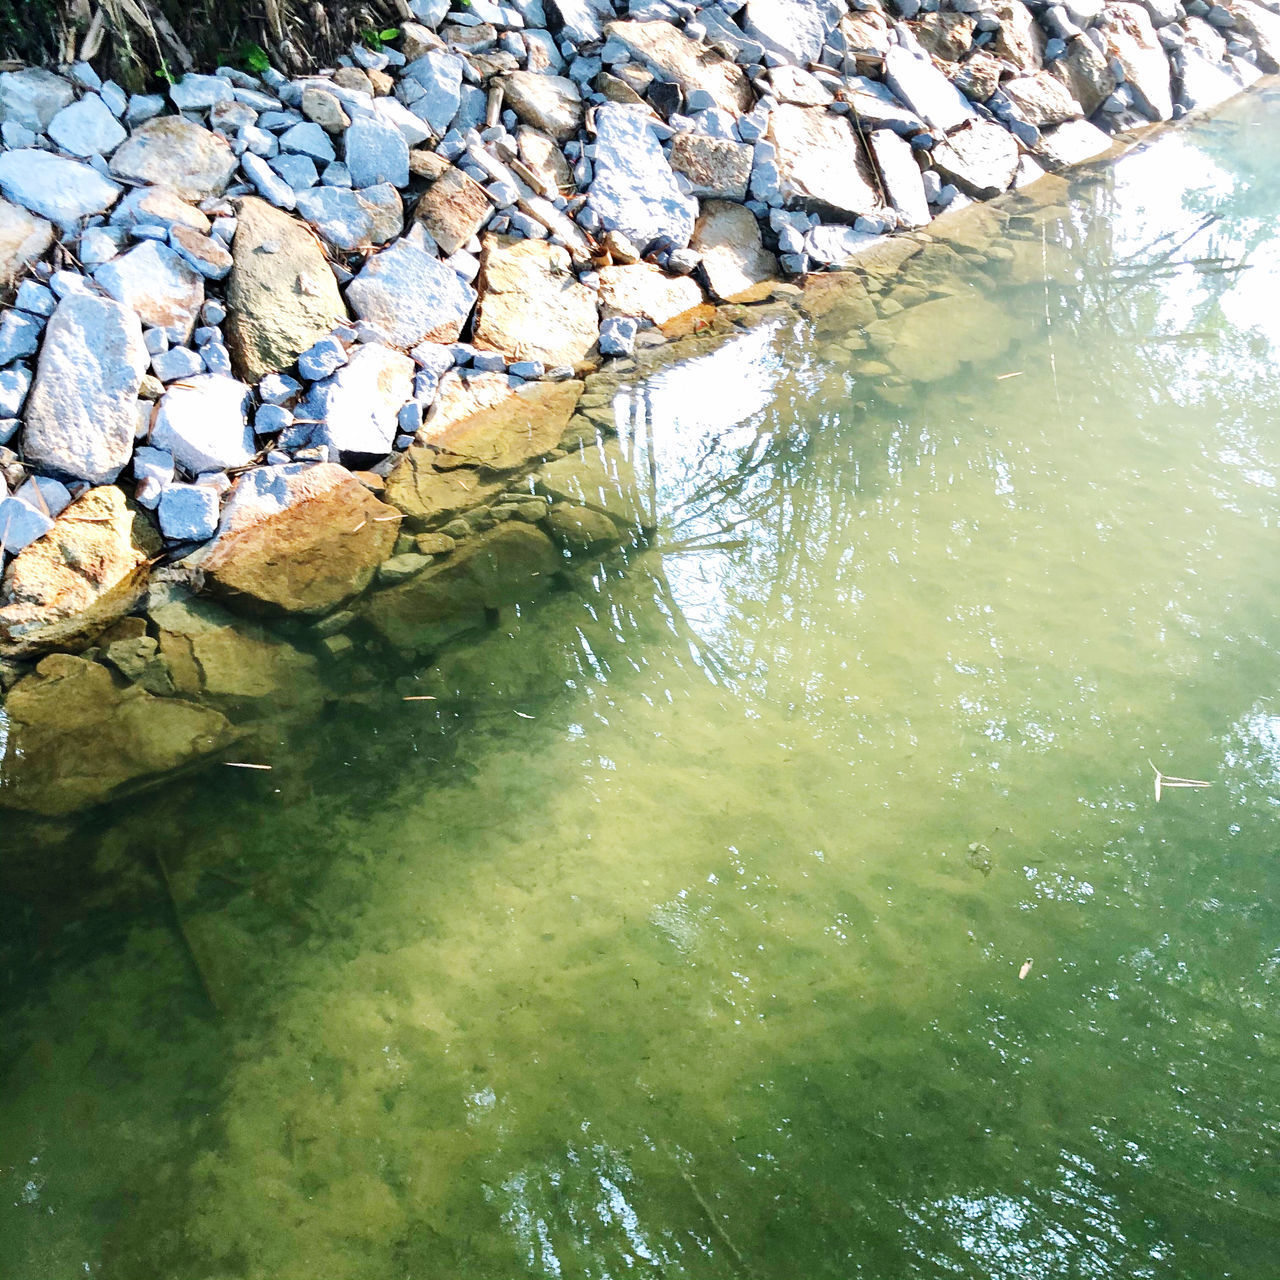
(20, 525)
(177, 362)
(87, 128)
(64, 191)
(1131, 40)
(269, 184)
(618, 336)
(309, 140)
(352, 220)
(918, 83)
(199, 93)
(834, 245)
(357, 408)
(45, 494)
(413, 129)
(713, 166)
(794, 30)
(203, 424)
(633, 189)
(15, 383)
(153, 464)
(980, 159)
(901, 176)
(82, 411)
(376, 153)
(821, 166)
(582, 20)
(32, 97)
(322, 358)
(161, 288)
(173, 152)
(188, 512)
(19, 336)
(876, 108)
(411, 296)
(439, 76)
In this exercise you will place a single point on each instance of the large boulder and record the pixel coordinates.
(1072, 143)
(676, 59)
(32, 97)
(23, 239)
(531, 304)
(549, 103)
(354, 220)
(165, 291)
(86, 572)
(737, 265)
(924, 89)
(644, 291)
(1261, 27)
(411, 296)
(298, 539)
(172, 151)
(281, 295)
(53, 187)
(822, 166)
(508, 436)
(980, 159)
(82, 413)
(355, 409)
(1132, 41)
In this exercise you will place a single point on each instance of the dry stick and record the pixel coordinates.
(186, 939)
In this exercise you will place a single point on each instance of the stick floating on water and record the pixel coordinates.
(240, 764)
(1167, 780)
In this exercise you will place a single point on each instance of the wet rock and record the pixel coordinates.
(376, 152)
(633, 189)
(354, 409)
(203, 422)
(794, 30)
(87, 571)
(61, 190)
(980, 159)
(77, 740)
(1019, 39)
(926, 90)
(281, 295)
(82, 410)
(900, 175)
(87, 128)
(171, 151)
(676, 59)
(821, 165)
(838, 303)
(32, 97)
(580, 529)
(598, 477)
(411, 296)
(509, 564)
(716, 167)
(354, 220)
(429, 497)
(298, 539)
(933, 339)
(644, 291)
(1071, 143)
(453, 209)
(737, 265)
(164, 291)
(531, 304)
(1041, 100)
(1132, 41)
(550, 104)
(23, 239)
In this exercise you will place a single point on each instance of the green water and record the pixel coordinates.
(682, 936)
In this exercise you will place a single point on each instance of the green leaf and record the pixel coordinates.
(389, 34)
(254, 58)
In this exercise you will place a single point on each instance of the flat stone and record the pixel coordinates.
(551, 104)
(188, 512)
(903, 184)
(87, 128)
(980, 159)
(429, 497)
(355, 409)
(281, 296)
(171, 151)
(644, 291)
(354, 220)
(1040, 99)
(876, 107)
(821, 165)
(376, 152)
(23, 239)
(439, 76)
(524, 426)
(1070, 144)
(205, 254)
(32, 97)
(580, 529)
(545, 158)
(298, 539)
(531, 304)
(165, 292)
(82, 410)
(795, 30)
(64, 589)
(633, 189)
(837, 302)
(933, 339)
(203, 423)
(159, 207)
(978, 77)
(63, 191)
(926, 90)
(411, 296)
(675, 59)
(737, 265)
(453, 209)
(199, 92)
(714, 166)
(1132, 41)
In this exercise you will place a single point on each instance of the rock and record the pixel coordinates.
(581, 20)
(794, 30)
(876, 108)
(203, 423)
(23, 239)
(82, 410)
(188, 512)
(87, 128)
(580, 529)
(1019, 39)
(524, 426)
(281, 295)
(531, 304)
(298, 539)
(633, 189)
(676, 59)
(429, 497)
(644, 291)
(932, 340)
(164, 291)
(544, 157)
(618, 336)
(821, 165)
(354, 220)
(77, 740)
(599, 477)
(926, 90)
(837, 303)
(63, 191)
(323, 108)
(509, 564)
(171, 151)
(159, 207)
(979, 76)
(799, 88)
(21, 524)
(980, 159)
(1071, 143)
(1041, 100)
(199, 92)
(355, 408)
(205, 254)
(32, 97)
(309, 139)
(1132, 41)
(551, 104)
(1261, 27)
(835, 245)
(1086, 72)
(900, 176)
(89, 570)
(945, 35)
(714, 166)
(736, 263)
(454, 209)
(1205, 82)
(439, 77)
(462, 392)
(376, 153)
(411, 296)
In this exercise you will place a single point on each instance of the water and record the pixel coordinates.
(683, 935)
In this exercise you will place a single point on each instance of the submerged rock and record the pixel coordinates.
(932, 340)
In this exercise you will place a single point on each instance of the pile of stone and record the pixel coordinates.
(255, 272)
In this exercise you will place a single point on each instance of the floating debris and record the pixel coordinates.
(240, 764)
(1026, 969)
(1167, 780)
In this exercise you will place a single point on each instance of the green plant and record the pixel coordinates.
(253, 57)
(375, 39)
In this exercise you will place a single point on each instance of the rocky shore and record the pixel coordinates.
(339, 351)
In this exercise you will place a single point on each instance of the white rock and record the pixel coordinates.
(270, 185)
(376, 152)
(900, 174)
(188, 512)
(203, 423)
(64, 191)
(357, 406)
(32, 97)
(926, 90)
(795, 30)
(199, 93)
(87, 128)
(411, 296)
(161, 288)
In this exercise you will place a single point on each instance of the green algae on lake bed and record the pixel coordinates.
(658, 944)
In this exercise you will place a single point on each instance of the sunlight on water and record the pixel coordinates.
(790, 899)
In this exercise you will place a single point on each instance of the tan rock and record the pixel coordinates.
(601, 477)
(429, 498)
(171, 151)
(945, 35)
(76, 740)
(980, 158)
(526, 425)
(416, 41)
(1019, 39)
(617, 90)
(867, 32)
(89, 570)
(1132, 41)
(23, 239)
(684, 62)
(1085, 71)
(550, 103)
(531, 305)
(822, 166)
(716, 167)
(643, 290)
(932, 340)
(453, 209)
(426, 164)
(580, 529)
(1041, 100)
(323, 108)
(543, 155)
(298, 540)
(463, 392)
(801, 88)
(978, 77)
(837, 302)
(354, 79)
(281, 295)
(737, 265)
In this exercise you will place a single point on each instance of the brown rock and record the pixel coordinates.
(931, 341)
(23, 239)
(837, 302)
(978, 77)
(581, 529)
(716, 167)
(416, 41)
(1132, 41)
(323, 108)
(550, 103)
(822, 166)
(684, 62)
(429, 498)
(171, 151)
(737, 265)
(453, 210)
(469, 39)
(426, 164)
(531, 305)
(645, 291)
(89, 570)
(1019, 39)
(526, 425)
(544, 157)
(1041, 100)
(463, 392)
(617, 90)
(1085, 71)
(945, 35)
(354, 79)
(281, 295)
(867, 32)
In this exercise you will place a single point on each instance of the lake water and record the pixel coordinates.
(792, 898)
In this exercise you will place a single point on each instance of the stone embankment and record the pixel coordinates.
(325, 348)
